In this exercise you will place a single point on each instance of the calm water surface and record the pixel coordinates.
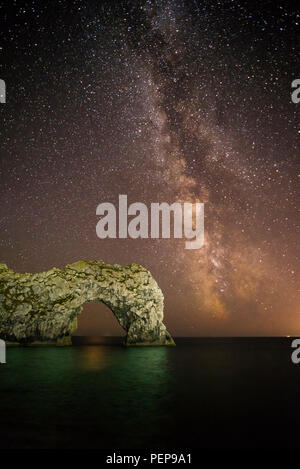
(204, 393)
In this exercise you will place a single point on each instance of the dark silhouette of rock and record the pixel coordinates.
(43, 307)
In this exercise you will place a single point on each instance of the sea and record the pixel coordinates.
(210, 393)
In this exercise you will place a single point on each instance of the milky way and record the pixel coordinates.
(163, 101)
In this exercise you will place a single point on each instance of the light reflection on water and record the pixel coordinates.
(93, 358)
(211, 393)
(77, 390)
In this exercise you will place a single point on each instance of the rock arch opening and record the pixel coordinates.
(95, 321)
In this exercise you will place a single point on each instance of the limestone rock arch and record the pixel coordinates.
(43, 307)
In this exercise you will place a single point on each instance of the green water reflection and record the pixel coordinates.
(96, 396)
(209, 393)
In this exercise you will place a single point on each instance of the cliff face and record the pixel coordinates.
(44, 307)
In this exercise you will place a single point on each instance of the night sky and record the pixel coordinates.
(165, 101)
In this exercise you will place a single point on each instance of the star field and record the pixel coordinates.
(163, 101)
